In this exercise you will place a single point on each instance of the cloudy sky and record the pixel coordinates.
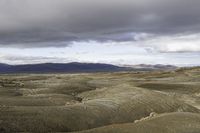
(103, 31)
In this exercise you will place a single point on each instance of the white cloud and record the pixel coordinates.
(108, 52)
(177, 43)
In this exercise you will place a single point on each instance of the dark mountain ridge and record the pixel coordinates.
(75, 67)
(60, 67)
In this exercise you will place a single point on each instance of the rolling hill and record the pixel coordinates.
(144, 102)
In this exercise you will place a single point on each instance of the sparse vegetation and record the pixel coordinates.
(101, 102)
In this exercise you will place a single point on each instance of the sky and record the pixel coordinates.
(121, 32)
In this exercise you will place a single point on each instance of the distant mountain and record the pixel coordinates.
(73, 67)
(151, 67)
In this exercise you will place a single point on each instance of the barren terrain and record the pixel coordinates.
(118, 102)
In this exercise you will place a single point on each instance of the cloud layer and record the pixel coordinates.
(106, 31)
(35, 23)
(98, 52)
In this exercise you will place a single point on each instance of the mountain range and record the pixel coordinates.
(76, 67)
(149, 67)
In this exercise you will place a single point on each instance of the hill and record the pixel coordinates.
(144, 102)
(165, 123)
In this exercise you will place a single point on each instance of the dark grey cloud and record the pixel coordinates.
(34, 23)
